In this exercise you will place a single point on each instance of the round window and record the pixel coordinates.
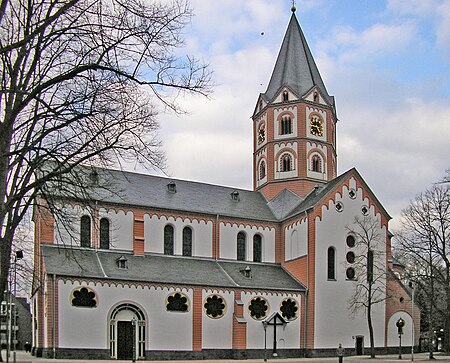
(350, 257)
(351, 241)
(350, 273)
(214, 306)
(258, 308)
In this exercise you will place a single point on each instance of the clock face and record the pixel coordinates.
(261, 134)
(316, 126)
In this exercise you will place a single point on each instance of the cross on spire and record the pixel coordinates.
(293, 6)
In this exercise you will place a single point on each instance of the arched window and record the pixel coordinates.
(262, 170)
(316, 163)
(241, 246)
(168, 240)
(257, 248)
(331, 274)
(187, 241)
(286, 162)
(286, 125)
(285, 96)
(104, 233)
(85, 231)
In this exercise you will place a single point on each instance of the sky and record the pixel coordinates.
(387, 62)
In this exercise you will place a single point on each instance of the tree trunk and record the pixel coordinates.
(369, 322)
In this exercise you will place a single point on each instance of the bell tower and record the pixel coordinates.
(294, 123)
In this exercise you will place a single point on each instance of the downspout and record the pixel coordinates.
(217, 237)
(53, 316)
(305, 325)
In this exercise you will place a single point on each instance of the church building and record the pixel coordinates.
(173, 269)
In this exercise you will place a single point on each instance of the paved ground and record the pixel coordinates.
(22, 357)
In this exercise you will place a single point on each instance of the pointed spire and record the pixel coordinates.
(295, 66)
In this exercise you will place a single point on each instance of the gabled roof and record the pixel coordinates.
(150, 191)
(162, 269)
(320, 193)
(295, 66)
(284, 203)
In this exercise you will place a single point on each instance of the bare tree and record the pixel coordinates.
(424, 240)
(80, 85)
(370, 269)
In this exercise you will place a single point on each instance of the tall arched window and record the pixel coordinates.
(85, 231)
(241, 246)
(262, 170)
(331, 274)
(286, 162)
(168, 240)
(187, 241)
(316, 163)
(257, 248)
(104, 233)
(286, 125)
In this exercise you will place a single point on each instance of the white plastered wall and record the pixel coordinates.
(68, 233)
(392, 330)
(217, 333)
(296, 237)
(201, 235)
(88, 327)
(287, 337)
(228, 241)
(121, 228)
(333, 322)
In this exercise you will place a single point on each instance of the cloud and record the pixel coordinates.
(392, 128)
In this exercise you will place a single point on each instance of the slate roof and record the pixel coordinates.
(295, 66)
(160, 269)
(149, 191)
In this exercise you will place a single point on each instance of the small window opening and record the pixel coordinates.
(316, 164)
(172, 187)
(286, 163)
(122, 263)
(285, 96)
(93, 176)
(260, 105)
(247, 272)
(235, 196)
(316, 97)
(262, 170)
(286, 125)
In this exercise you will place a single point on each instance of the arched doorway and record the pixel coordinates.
(127, 332)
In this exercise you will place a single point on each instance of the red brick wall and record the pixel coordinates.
(197, 312)
(396, 292)
(239, 329)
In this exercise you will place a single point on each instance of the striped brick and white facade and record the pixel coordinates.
(170, 247)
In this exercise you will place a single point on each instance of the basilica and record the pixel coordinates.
(173, 269)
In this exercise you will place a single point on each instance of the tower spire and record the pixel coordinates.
(295, 66)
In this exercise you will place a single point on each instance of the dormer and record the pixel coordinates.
(235, 196)
(172, 187)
